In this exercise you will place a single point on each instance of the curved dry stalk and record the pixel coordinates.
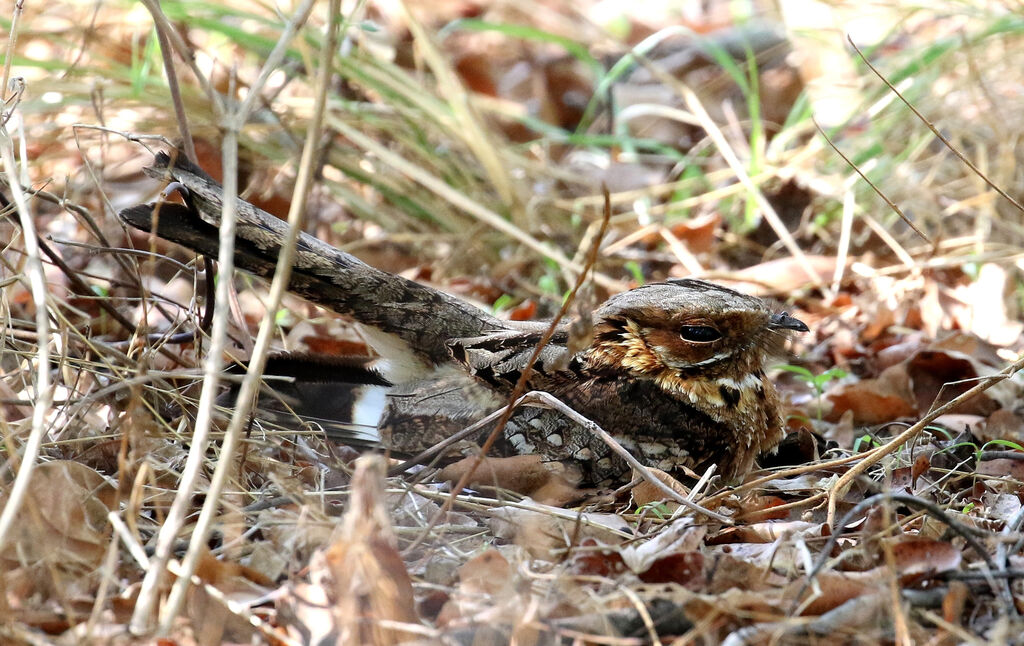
(43, 391)
(592, 427)
(212, 367)
(520, 388)
(787, 473)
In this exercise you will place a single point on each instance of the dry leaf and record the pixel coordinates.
(938, 377)
(699, 233)
(781, 276)
(646, 493)
(915, 556)
(757, 508)
(63, 518)
(835, 589)
(767, 532)
(590, 559)
(921, 466)
(1003, 424)
(875, 401)
(678, 537)
(370, 581)
(1002, 467)
(486, 593)
(683, 568)
(540, 529)
(525, 474)
(980, 307)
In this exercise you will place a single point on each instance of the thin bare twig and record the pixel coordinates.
(935, 130)
(278, 287)
(162, 27)
(892, 205)
(169, 531)
(12, 41)
(138, 553)
(592, 427)
(520, 387)
(872, 457)
(968, 533)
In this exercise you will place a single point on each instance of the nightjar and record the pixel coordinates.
(675, 371)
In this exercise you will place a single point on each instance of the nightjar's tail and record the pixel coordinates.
(417, 319)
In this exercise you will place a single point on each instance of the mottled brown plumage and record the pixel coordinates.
(675, 371)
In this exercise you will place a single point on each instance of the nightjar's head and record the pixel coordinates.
(689, 328)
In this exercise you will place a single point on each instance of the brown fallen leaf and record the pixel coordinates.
(916, 556)
(920, 467)
(1003, 424)
(758, 508)
(371, 585)
(698, 232)
(486, 587)
(646, 493)
(544, 530)
(937, 377)
(1002, 467)
(591, 560)
(781, 276)
(683, 568)
(875, 401)
(211, 620)
(766, 532)
(835, 589)
(980, 306)
(63, 519)
(525, 474)
(953, 604)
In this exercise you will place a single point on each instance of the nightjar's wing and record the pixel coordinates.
(341, 396)
(353, 404)
(499, 358)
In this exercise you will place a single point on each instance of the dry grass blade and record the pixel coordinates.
(162, 29)
(475, 136)
(477, 210)
(279, 286)
(43, 390)
(142, 615)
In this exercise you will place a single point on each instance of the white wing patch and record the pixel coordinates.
(368, 405)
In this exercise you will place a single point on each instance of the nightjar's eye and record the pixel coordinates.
(699, 333)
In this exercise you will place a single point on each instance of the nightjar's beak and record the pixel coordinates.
(784, 321)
